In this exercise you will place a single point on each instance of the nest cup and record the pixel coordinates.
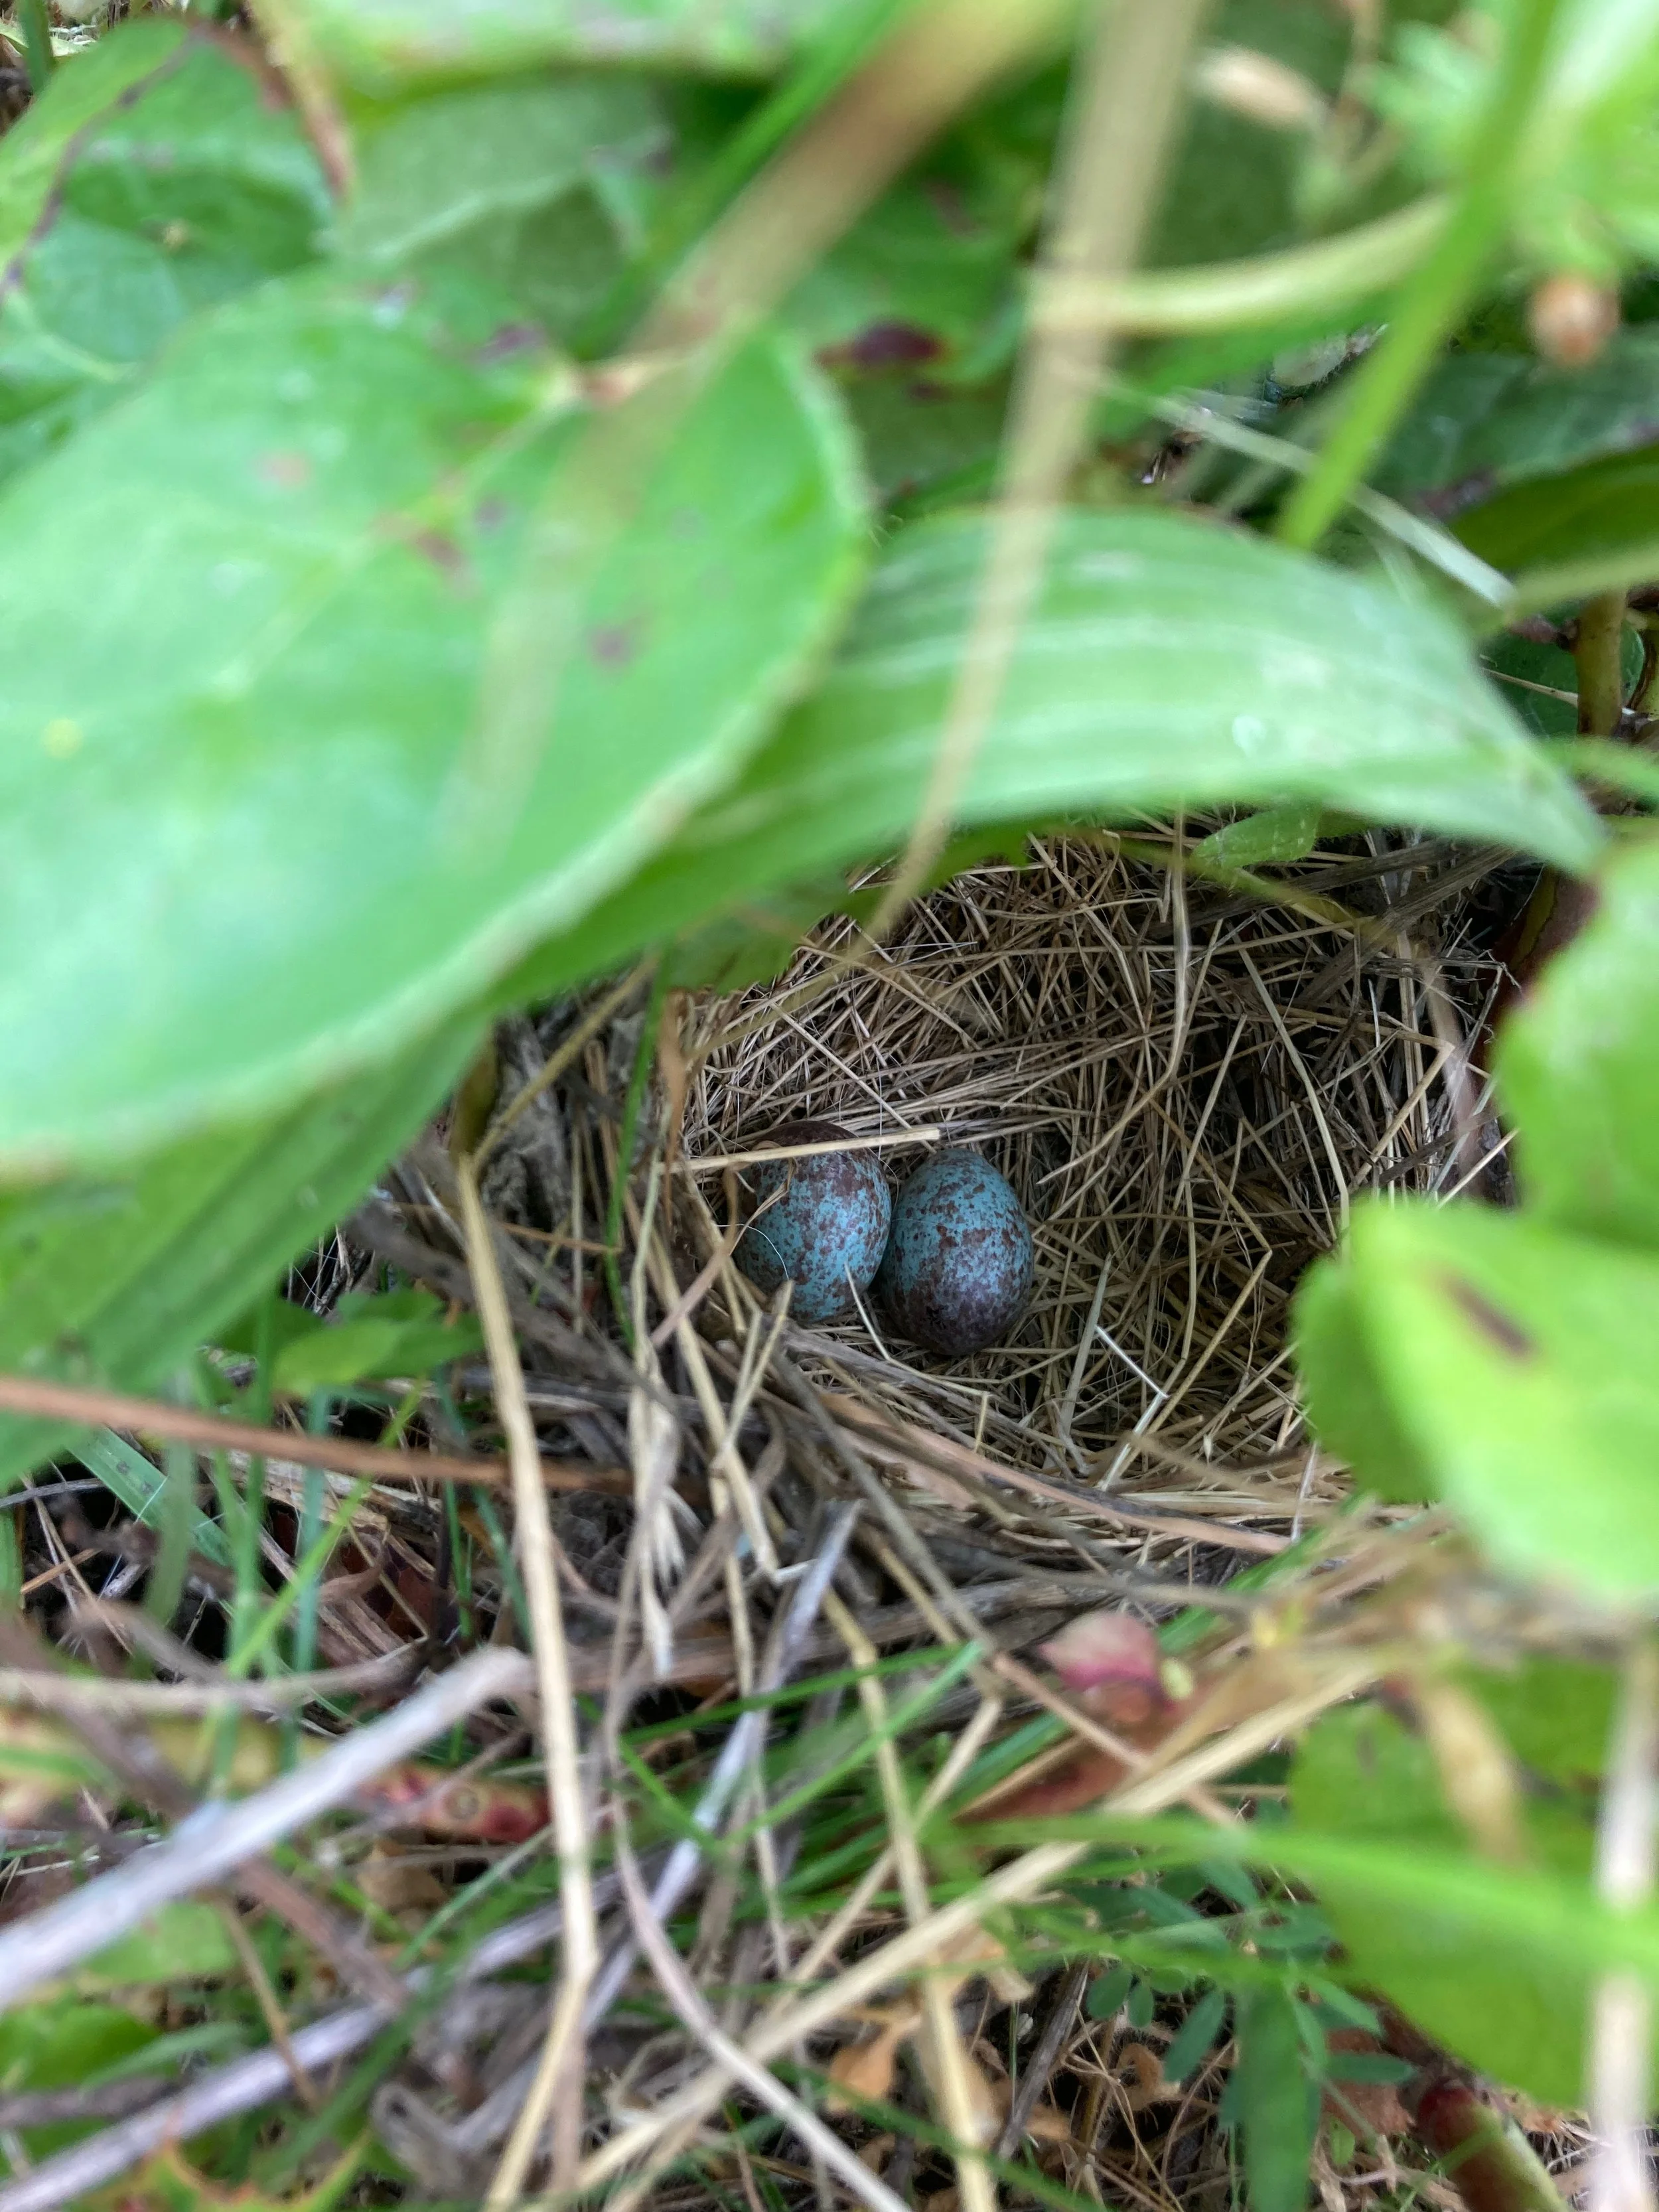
(1172, 1081)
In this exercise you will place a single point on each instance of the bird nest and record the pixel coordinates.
(1184, 1086)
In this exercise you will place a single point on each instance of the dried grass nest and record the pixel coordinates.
(1184, 1087)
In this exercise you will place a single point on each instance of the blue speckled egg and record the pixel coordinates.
(830, 1223)
(959, 1259)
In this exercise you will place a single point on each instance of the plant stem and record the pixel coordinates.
(1598, 649)
(1383, 387)
(37, 42)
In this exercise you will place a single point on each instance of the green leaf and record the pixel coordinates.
(1108, 1992)
(1586, 529)
(116, 1280)
(1278, 2105)
(1516, 1360)
(1193, 2040)
(141, 1487)
(1274, 838)
(377, 42)
(537, 185)
(400, 1333)
(439, 171)
(1170, 663)
(181, 1942)
(1348, 1404)
(1508, 2007)
(1437, 1912)
(245, 613)
(1557, 1713)
(156, 176)
(1482, 421)
(58, 2046)
(1577, 1065)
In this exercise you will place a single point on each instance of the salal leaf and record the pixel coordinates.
(117, 1278)
(1510, 2009)
(1170, 663)
(1586, 529)
(1515, 1362)
(1485, 420)
(156, 175)
(249, 836)
(1578, 1065)
(378, 42)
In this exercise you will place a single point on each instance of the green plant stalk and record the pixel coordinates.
(1441, 287)
(312, 1496)
(37, 42)
(505, 1562)
(1598, 651)
(177, 1515)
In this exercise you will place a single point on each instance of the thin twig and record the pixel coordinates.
(94, 1408)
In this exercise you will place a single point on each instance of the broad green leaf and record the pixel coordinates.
(116, 1280)
(539, 185)
(156, 176)
(1516, 1361)
(1194, 2039)
(245, 613)
(181, 1942)
(1586, 529)
(400, 1333)
(1347, 1400)
(1170, 663)
(59, 2045)
(1557, 1713)
(438, 173)
(1510, 2009)
(1577, 1065)
(1482, 421)
(1274, 838)
(1278, 2105)
(376, 42)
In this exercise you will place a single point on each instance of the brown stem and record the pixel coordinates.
(1488, 2159)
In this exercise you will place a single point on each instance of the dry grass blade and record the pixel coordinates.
(947, 2063)
(558, 2083)
(1153, 1790)
(683, 1994)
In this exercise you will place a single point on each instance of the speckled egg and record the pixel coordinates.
(959, 1259)
(830, 1223)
